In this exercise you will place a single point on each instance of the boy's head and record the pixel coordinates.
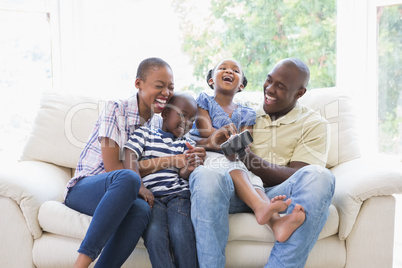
(179, 115)
(155, 85)
(227, 65)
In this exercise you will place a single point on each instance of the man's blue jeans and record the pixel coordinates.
(170, 237)
(213, 197)
(119, 218)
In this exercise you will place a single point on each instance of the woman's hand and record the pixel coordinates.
(147, 195)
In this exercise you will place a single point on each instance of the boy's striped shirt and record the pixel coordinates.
(149, 143)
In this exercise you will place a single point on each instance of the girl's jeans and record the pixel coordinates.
(213, 198)
(170, 237)
(119, 218)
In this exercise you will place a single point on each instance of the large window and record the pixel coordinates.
(259, 34)
(25, 70)
(194, 35)
(93, 47)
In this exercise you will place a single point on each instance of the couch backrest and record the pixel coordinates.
(61, 128)
(64, 123)
(337, 107)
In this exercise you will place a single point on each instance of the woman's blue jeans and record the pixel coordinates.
(213, 198)
(170, 238)
(119, 218)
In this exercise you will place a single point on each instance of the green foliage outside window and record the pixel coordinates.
(258, 33)
(389, 78)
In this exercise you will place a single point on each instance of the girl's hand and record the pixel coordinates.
(220, 136)
(147, 195)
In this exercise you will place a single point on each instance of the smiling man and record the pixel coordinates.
(289, 154)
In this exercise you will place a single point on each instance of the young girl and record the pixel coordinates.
(219, 117)
(101, 187)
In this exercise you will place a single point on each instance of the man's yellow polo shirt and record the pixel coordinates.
(301, 135)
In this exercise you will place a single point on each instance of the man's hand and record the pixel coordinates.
(147, 195)
(247, 150)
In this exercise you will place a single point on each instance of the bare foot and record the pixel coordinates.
(284, 227)
(280, 206)
(264, 213)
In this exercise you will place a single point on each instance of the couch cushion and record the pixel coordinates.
(61, 128)
(56, 218)
(337, 107)
(244, 227)
(29, 184)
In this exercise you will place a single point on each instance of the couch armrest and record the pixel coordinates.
(358, 180)
(29, 184)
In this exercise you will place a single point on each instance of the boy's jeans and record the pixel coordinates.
(213, 197)
(170, 238)
(119, 217)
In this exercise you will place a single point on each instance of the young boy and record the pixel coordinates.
(169, 238)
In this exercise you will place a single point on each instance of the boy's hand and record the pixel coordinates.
(198, 151)
(147, 195)
(194, 161)
(181, 160)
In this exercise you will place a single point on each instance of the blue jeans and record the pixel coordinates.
(213, 198)
(170, 238)
(119, 218)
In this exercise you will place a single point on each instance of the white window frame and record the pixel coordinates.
(357, 63)
(63, 21)
(49, 7)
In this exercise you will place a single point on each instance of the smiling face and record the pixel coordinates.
(284, 85)
(179, 116)
(155, 91)
(227, 76)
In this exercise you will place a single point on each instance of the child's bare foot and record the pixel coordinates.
(265, 212)
(284, 226)
(279, 205)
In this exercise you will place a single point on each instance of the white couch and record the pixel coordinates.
(38, 230)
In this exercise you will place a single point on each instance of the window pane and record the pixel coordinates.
(390, 79)
(25, 71)
(115, 38)
(194, 35)
(259, 34)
